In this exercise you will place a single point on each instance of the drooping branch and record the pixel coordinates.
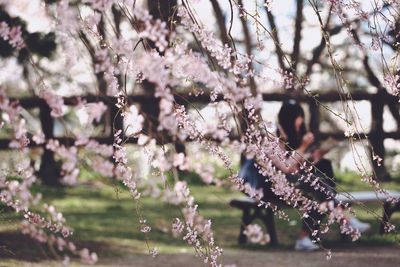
(317, 51)
(373, 79)
(377, 108)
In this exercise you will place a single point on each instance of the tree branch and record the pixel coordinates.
(275, 35)
(117, 16)
(92, 52)
(297, 34)
(221, 22)
(247, 38)
(317, 51)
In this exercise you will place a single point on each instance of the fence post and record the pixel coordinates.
(49, 171)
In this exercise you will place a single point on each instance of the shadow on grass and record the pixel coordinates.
(21, 247)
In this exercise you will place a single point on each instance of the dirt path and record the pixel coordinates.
(374, 257)
(363, 257)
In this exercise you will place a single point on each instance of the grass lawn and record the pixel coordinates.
(105, 219)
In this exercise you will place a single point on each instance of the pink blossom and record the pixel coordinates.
(180, 161)
(392, 82)
(87, 257)
(255, 234)
(55, 102)
(156, 31)
(38, 138)
(95, 111)
(93, 20)
(133, 121)
(104, 167)
(4, 30)
(13, 35)
(153, 252)
(100, 149)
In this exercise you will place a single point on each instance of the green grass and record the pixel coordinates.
(106, 216)
(351, 182)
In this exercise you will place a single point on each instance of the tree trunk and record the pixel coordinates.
(376, 136)
(49, 171)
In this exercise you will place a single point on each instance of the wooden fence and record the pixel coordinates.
(48, 171)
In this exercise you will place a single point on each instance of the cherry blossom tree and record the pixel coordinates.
(136, 71)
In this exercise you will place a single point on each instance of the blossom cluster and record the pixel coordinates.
(255, 234)
(11, 117)
(263, 148)
(195, 230)
(69, 170)
(13, 35)
(51, 230)
(392, 82)
(55, 102)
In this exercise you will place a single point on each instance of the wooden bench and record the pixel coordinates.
(251, 211)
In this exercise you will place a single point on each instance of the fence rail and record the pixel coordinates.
(377, 135)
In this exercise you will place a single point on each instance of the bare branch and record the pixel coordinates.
(317, 51)
(275, 35)
(372, 78)
(117, 16)
(297, 34)
(247, 38)
(92, 52)
(221, 22)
